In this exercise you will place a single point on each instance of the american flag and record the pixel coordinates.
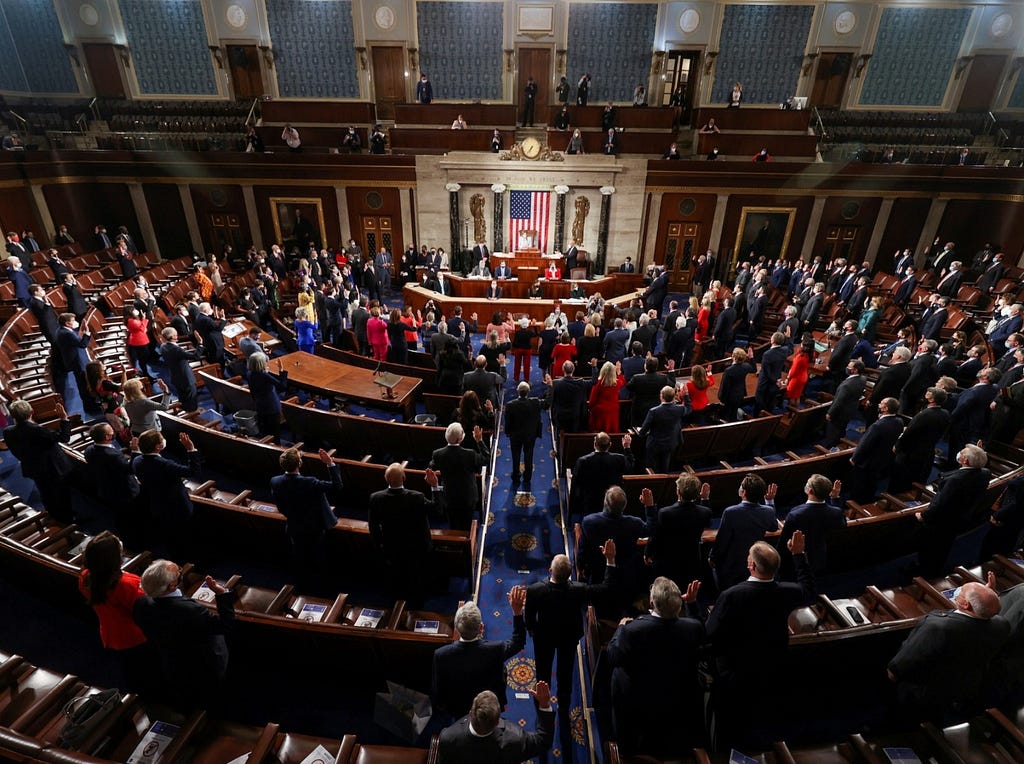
(529, 211)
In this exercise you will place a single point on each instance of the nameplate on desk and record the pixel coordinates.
(387, 379)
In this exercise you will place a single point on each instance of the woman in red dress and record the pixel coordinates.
(796, 380)
(377, 334)
(564, 351)
(703, 319)
(697, 388)
(604, 399)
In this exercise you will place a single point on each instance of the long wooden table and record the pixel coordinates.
(330, 378)
(233, 335)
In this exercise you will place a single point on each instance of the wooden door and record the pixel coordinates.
(982, 83)
(244, 66)
(103, 63)
(226, 228)
(376, 231)
(682, 68)
(841, 241)
(830, 77)
(388, 78)
(680, 249)
(536, 63)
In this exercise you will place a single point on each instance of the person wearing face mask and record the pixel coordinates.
(72, 344)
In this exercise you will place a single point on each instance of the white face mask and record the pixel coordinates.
(1005, 312)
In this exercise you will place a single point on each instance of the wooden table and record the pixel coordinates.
(330, 378)
(232, 335)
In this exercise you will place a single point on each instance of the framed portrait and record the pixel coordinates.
(298, 222)
(763, 231)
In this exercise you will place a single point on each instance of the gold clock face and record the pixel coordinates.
(531, 148)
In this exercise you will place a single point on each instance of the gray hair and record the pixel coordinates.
(257, 362)
(974, 456)
(468, 620)
(902, 353)
(21, 410)
(614, 501)
(158, 576)
(666, 599)
(454, 434)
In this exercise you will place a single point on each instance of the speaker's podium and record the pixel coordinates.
(387, 382)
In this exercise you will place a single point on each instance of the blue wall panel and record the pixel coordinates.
(169, 46)
(613, 42)
(39, 44)
(460, 49)
(313, 48)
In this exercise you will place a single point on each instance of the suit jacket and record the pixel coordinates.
(950, 284)
(815, 520)
(967, 373)
(857, 300)
(592, 475)
(874, 451)
(494, 293)
(932, 323)
(46, 317)
(598, 528)
(922, 376)
(841, 353)
(890, 382)
(916, 446)
(773, 362)
(733, 386)
(554, 612)
(400, 526)
(569, 401)
(662, 426)
(571, 257)
(645, 389)
(904, 290)
(675, 537)
(303, 501)
(458, 467)
(58, 268)
(848, 396)
(38, 449)
(72, 349)
(972, 412)
(809, 315)
(655, 295)
(484, 383)
(958, 492)
(76, 302)
(1002, 330)
(111, 471)
(742, 525)
(988, 280)
(161, 486)
(507, 744)
(210, 330)
(615, 343)
(724, 327)
(503, 272)
(522, 419)
(177, 360)
(462, 670)
(189, 638)
(924, 666)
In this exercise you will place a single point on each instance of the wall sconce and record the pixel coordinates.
(560, 60)
(809, 60)
(269, 57)
(361, 55)
(862, 61)
(125, 53)
(510, 57)
(414, 64)
(215, 50)
(72, 52)
(658, 62)
(961, 66)
(709, 61)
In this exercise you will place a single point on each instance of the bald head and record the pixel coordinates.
(395, 475)
(560, 568)
(978, 601)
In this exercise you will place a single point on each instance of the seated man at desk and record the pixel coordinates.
(494, 291)
(552, 272)
(480, 271)
(503, 271)
(576, 292)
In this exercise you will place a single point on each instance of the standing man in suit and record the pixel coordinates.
(842, 351)
(596, 472)
(990, 276)
(177, 360)
(743, 524)
(457, 467)
(399, 522)
(612, 523)
(725, 328)
(529, 102)
(902, 260)
(483, 735)
(567, 398)
(485, 383)
(645, 390)
(872, 459)
(889, 383)
(42, 460)
(101, 238)
(187, 635)
(21, 279)
(572, 257)
(382, 263)
(814, 518)
(424, 91)
(915, 448)
(523, 427)
(922, 376)
(615, 342)
(482, 255)
(845, 403)
(473, 664)
(627, 266)
(969, 420)
(676, 530)
(554, 618)
(905, 288)
(114, 482)
(661, 427)
(949, 510)
(162, 491)
(17, 250)
(62, 237)
(773, 363)
(72, 344)
(43, 312)
(303, 502)
(949, 285)
(748, 632)
(809, 315)
(654, 296)
(934, 318)
(656, 698)
(210, 325)
(926, 684)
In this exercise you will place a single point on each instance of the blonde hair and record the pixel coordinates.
(589, 330)
(133, 389)
(301, 314)
(607, 374)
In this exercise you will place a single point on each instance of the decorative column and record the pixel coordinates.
(560, 191)
(602, 231)
(453, 223)
(498, 189)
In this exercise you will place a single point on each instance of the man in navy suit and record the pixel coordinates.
(933, 318)
(742, 524)
(597, 471)
(568, 398)
(902, 260)
(655, 294)
(1007, 325)
(483, 735)
(21, 280)
(458, 467)
(815, 518)
(163, 492)
(969, 421)
(615, 342)
(503, 271)
(646, 390)
(42, 460)
(949, 510)
(474, 664)
(915, 447)
(656, 698)
(72, 344)
(845, 403)
(992, 274)
(661, 427)
(42, 310)
(842, 351)
(748, 632)
(177, 360)
(905, 288)
(773, 362)
(571, 257)
(627, 266)
(676, 530)
(872, 459)
(115, 484)
(187, 635)
(523, 428)
(303, 502)
(950, 283)
(725, 328)
(624, 530)
(922, 376)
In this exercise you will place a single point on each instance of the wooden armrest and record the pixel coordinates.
(276, 606)
(396, 615)
(241, 498)
(205, 489)
(334, 611)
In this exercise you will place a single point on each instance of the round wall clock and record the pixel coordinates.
(1001, 25)
(531, 148)
(384, 17)
(845, 22)
(235, 15)
(689, 20)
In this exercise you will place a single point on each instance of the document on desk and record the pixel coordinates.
(369, 618)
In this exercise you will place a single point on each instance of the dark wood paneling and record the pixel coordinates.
(903, 230)
(225, 199)
(734, 211)
(323, 112)
(101, 60)
(244, 65)
(83, 206)
(743, 146)
(312, 137)
(625, 116)
(389, 82)
(629, 143)
(168, 216)
(17, 213)
(973, 222)
(328, 201)
(754, 119)
(703, 213)
(440, 140)
(982, 82)
(475, 114)
(536, 63)
(837, 212)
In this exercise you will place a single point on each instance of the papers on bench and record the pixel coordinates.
(735, 757)
(319, 755)
(204, 594)
(153, 743)
(312, 613)
(901, 755)
(427, 627)
(369, 618)
(233, 330)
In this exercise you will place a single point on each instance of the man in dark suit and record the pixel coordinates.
(949, 510)
(789, 327)
(177, 360)
(611, 523)
(210, 324)
(842, 351)
(927, 684)
(818, 515)
(62, 237)
(845, 403)
(571, 257)
(662, 428)
(502, 271)
(72, 342)
(19, 251)
(915, 448)
(992, 274)
(905, 288)
(742, 524)
(115, 484)
(674, 543)
(597, 471)
(480, 252)
(725, 328)
(872, 459)
(967, 371)
(1006, 522)
(523, 427)
(934, 318)
(645, 390)
(43, 312)
(615, 342)
(187, 635)
(627, 266)
(949, 285)
(773, 363)
(42, 460)
(483, 735)
(554, 618)
(21, 279)
(655, 294)
(58, 267)
(568, 399)
(399, 521)
(922, 376)
(473, 664)
(810, 312)
(1007, 325)
(458, 467)
(890, 381)
(656, 698)
(748, 633)
(303, 501)
(162, 491)
(969, 421)
(101, 238)
(493, 291)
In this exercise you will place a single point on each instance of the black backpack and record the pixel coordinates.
(84, 716)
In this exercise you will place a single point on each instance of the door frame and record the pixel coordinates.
(844, 101)
(265, 75)
(998, 99)
(552, 73)
(410, 76)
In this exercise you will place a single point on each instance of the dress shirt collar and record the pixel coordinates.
(474, 733)
(756, 580)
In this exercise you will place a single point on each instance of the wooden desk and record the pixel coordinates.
(233, 335)
(324, 377)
